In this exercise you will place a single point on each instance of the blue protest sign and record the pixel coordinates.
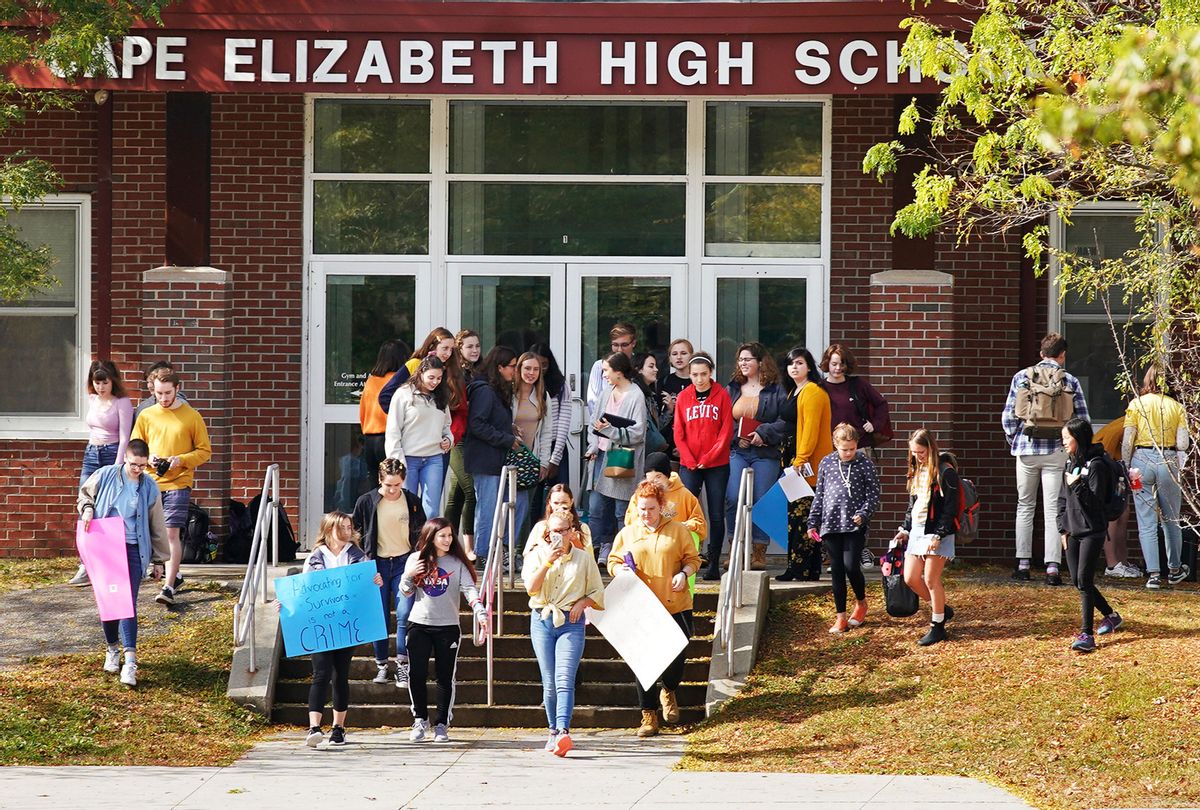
(770, 515)
(330, 609)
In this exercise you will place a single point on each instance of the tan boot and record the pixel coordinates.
(670, 706)
(758, 558)
(649, 726)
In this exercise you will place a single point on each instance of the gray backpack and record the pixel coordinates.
(1045, 402)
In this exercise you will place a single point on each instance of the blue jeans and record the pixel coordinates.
(524, 498)
(128, 627)
(715, 481)
(1157, 501)
(426, 474)
(606, 517)
(485, 511)
(766, 472)
(96, 456)
(558, 650)
(392, 569)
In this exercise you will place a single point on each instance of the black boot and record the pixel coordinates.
(712, 573)
(937, 632)
(792, 574)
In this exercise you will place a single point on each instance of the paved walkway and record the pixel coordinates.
(492, 767)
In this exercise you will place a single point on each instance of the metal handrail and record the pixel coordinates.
(739, 563)
(491, 589)
(254, 585)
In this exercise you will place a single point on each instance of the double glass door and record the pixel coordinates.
(571, 308)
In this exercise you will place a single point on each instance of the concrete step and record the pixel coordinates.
(506, 669)
(520, 646)
(523, 693)
(475, 715)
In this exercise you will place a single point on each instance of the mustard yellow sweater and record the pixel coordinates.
(177, 431)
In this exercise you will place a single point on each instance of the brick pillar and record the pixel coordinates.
(912, 332)
(186, 321)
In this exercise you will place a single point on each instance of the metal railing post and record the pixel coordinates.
(254, 584)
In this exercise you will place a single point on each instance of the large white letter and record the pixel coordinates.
(267, 69)
(416, 61)
(324, 71)
(131, 59)
(233, 58)
(846, 62)
(627, 63)
(893, 65)
(373, 63)
(531, 61)
(164, 57)
(498, 50)
(452, 59)
(744, 63)
(695, 66)
(810, 56)
(301, 60)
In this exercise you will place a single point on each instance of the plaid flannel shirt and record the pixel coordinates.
(1022, 445)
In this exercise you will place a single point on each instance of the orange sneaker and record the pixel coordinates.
(562, 745)
(840, 625)
(859, 614)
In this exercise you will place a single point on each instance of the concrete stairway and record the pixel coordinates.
(605, 696)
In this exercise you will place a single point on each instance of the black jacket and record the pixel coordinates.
(943, 505)
(365, 510)
(773, 429)
(489, 434)
(1081, 504)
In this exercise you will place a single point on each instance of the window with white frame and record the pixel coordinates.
(44, 340)
(1096, 344)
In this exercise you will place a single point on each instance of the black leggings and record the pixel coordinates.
(332, 664)
(442, 642)
(1083, 558)
(673, 674)
(845, 552)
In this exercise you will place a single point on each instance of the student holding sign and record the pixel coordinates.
(663, 556)
(336, 546)
(125, 490)
(436, 573)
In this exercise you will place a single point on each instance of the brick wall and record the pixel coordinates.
(257, 212)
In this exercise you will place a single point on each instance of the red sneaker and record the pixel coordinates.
(563, 744)
(859, 614)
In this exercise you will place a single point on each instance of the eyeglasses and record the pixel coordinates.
(135, 466)
(513, 364)
(619, 345)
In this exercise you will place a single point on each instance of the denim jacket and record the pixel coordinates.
(98, 498)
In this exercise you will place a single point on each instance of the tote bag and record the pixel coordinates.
(619, 458)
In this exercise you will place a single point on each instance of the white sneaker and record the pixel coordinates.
(439, 733)
(551, 739)
(420, 727)
(80, 578)
(1124, 570)
(129, 674)
(112, 660)
(381, 676)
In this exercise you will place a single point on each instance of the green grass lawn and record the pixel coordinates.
(19, 573)
(1003, 700)
(64, 710)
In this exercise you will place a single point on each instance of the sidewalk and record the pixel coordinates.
(480, 767)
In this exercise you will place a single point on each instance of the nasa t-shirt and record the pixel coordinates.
(437, 590)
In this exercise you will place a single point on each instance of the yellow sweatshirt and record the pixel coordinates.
(659, 555)
(177, 431)
(814, 433)
(682, 507)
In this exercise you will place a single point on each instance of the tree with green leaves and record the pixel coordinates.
(1046, 106)
(70, 35)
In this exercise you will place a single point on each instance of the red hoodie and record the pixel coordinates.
(703, 429)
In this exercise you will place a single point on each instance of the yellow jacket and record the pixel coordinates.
(814, 433)
(681, 506)
(659, 555)
(177, 431)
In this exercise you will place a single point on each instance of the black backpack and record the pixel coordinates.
(287, 537)
(197, 547)
(241, 533)
(1117, 498)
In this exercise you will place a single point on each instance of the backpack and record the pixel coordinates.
(241, 533)
(1117, 498)
(196, 544)
(287, 537)
(1044, 401)
(966, 517)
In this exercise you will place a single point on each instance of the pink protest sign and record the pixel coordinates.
(102, 549)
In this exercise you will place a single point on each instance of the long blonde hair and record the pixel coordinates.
(539, 387)
(924, 438)
(329, 526)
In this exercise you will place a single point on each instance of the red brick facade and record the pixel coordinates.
(950, 367)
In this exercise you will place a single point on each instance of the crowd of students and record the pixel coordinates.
(664, 455)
